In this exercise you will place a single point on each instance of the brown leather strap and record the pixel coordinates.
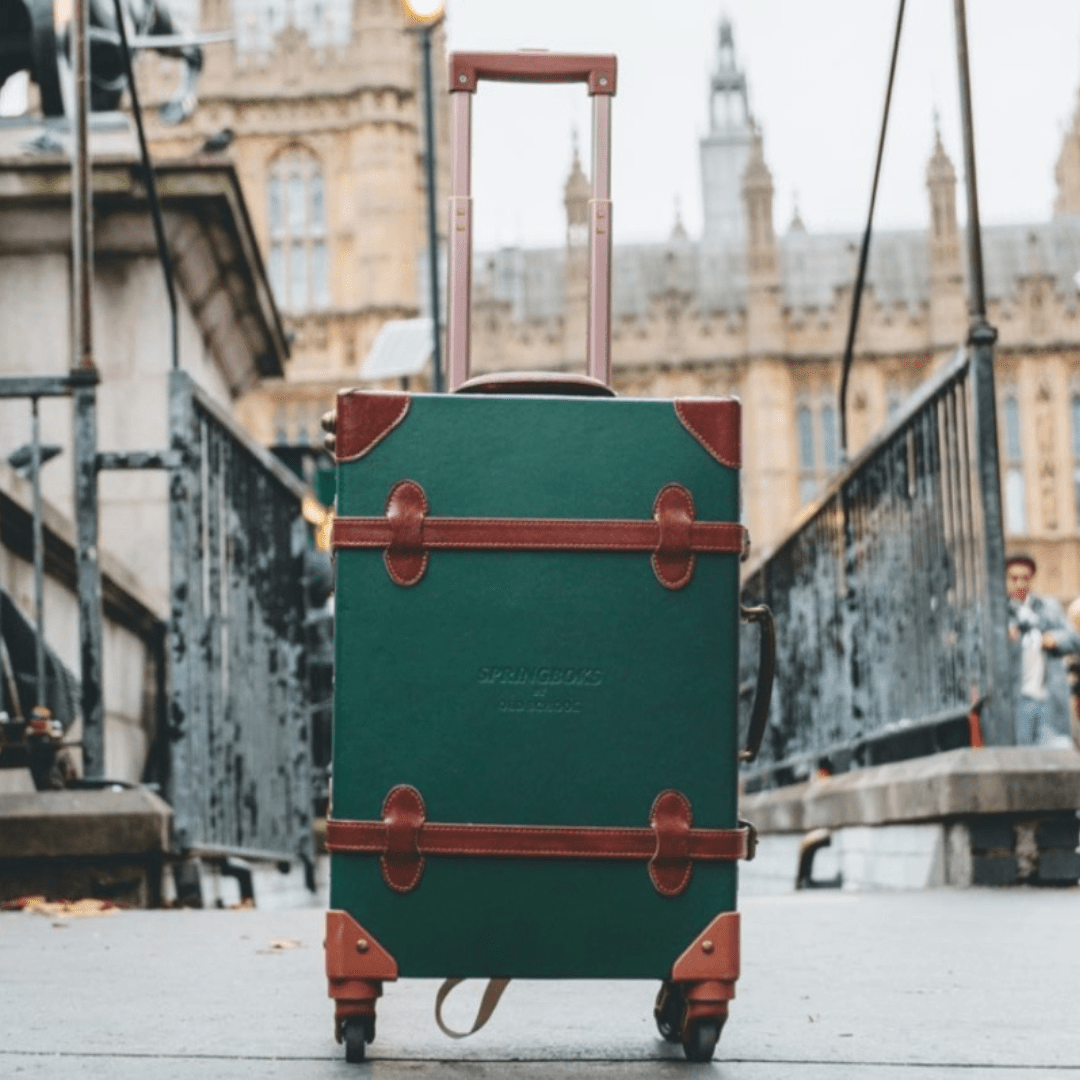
(492, 993)
(404, 838)
(407, 534)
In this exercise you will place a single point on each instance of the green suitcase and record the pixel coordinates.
(535, 759)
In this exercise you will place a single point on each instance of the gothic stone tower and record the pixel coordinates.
(324, 102)
(725, 150)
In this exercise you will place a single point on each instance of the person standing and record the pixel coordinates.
(1038, 625)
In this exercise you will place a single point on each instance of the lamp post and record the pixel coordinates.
(427, 14)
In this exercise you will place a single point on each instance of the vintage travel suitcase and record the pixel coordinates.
(537, 609)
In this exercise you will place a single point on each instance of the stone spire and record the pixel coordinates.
(941, 184)
(678, 230)
(576, 194)
(757, 194)
(948, 305)
(724, 150)
(765, 331)
(1067, 171)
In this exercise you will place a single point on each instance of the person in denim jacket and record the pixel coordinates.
(1037, 624)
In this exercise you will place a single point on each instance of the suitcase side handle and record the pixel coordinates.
(539, 66)
(759, 714)
(466, 69)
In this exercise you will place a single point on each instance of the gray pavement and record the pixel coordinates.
(931, 985)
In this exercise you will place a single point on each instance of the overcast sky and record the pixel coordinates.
(817, 73)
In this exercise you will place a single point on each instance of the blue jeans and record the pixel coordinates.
(1034, 726)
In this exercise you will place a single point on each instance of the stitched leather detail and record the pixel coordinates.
(408, 534)
(401, 861)
(673, 559)
(670, 867)
(364, 419)
(716, 423)
(405, 557)
(404, 838)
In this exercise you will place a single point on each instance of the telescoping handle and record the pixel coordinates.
(467, 69)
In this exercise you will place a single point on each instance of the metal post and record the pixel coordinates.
(39, 556)
(999, 714)
(88, 573)
(432, 196)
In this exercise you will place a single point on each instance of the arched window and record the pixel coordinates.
(804, 423)
(1074, 409)
(299, 266)
(830, 439)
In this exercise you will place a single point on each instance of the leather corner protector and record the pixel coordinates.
(716, 423)
(352, 953)
(671, 867)
(364, 419)
(673, 559)
(405, 558)
(714, 954)
(402, 863)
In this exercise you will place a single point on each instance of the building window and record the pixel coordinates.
(1074, 409)
(804, 423)
(1015, 515)
(296, 204)
(829, 440)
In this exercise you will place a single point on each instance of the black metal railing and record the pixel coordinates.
(889, 597)
(240, 764)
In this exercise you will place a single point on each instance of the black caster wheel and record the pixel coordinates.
(669, 1010)
(701, 1040)
(357, 1033)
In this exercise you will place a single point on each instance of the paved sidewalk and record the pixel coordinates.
(929, 986)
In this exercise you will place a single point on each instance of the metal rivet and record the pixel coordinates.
(463, 78)
(707, 946)
(362, 945)
(603, 80)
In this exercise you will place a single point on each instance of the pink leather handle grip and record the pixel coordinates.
(468, 68)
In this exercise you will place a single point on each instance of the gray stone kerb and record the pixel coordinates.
(51, 824)
(957, 783)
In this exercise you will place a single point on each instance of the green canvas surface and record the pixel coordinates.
(563, 688)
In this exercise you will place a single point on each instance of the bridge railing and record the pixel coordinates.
(889, 596)
(240, 764)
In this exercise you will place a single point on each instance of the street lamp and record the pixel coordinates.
(427, 14)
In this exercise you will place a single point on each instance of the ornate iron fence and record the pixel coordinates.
(889, 597)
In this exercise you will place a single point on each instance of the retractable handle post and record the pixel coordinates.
(466, 71)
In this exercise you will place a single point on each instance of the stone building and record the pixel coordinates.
(765, 316)
(318, 103)
(322, 102)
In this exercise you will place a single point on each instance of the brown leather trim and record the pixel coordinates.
(364, 419)
(671, 866)
(405, 557)
(352, 953)
(404, 838)
(716, 423)
(714, 953)
(673, 559)
(408, 534)
(403, 818)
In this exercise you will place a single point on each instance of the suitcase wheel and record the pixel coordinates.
(701, 1039)
(356, 1033)
(668, 1011)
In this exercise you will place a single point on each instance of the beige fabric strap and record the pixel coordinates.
(492, 992)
